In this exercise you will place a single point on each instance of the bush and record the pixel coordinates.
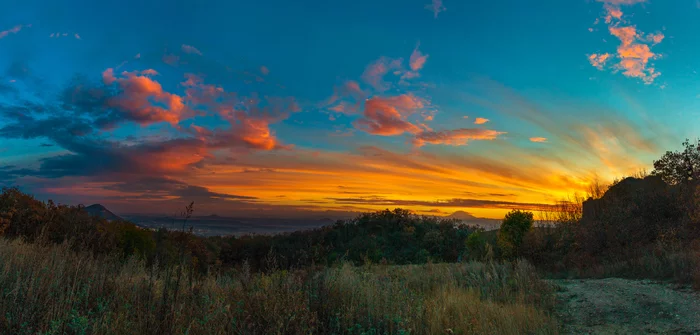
(513, 229)
(475, 246)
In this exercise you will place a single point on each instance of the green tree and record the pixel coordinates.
(514, 227)
(475, 245)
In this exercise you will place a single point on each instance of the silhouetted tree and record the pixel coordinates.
(676, 167)
(513, 229)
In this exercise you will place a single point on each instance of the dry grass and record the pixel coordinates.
(52, 290)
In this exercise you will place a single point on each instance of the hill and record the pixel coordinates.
(101, 211)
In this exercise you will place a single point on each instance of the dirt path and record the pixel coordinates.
(621, 306)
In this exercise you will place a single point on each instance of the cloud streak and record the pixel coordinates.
(14, 30)
(455, 137)
(190, 49)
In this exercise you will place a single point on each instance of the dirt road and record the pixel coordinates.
(621, 306)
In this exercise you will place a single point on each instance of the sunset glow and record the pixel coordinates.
(277, 108)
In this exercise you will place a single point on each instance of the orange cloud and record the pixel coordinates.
(599, 60)
(135, 96)
(627, 35)
(417, 60)
(614, 12)
(480, 120)
(13, 30)
(387, 116)
(538, 139)
(655, 38)
(455, 137)
(634, 52)
(190, 49)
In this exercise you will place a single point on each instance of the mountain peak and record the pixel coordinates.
(103, 212)
(462, 215)
(96, 207)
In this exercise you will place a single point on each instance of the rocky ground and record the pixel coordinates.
(621, 306)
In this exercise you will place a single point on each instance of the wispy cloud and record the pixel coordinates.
(417, 60)
(190, 49)
(13, 30)
(455, 137)
(375, 72)
(61, 35)
(599, 60)
(436, 7)
(538, 139)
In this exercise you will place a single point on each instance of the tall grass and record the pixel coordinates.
(53, 290)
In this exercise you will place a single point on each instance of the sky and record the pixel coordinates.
(293, 108)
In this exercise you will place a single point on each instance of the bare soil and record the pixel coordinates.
(622, 306)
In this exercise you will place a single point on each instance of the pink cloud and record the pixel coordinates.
(13, 30)
(417, 60)
(190, 49)
(347, 98)
(387, 116)
(171, 59)
(137, 96)
(538, 139)
(455, 137)
(436, 7)
(77, 36)
(264, 70)
(198, 93)
(622, 2)
(375, 72)
(480, 120)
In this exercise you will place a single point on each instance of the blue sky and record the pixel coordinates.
(482, 106)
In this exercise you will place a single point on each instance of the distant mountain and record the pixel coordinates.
(101, 211)
(488, 224)
(461, 215)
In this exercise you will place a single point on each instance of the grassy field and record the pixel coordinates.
(53, 290)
